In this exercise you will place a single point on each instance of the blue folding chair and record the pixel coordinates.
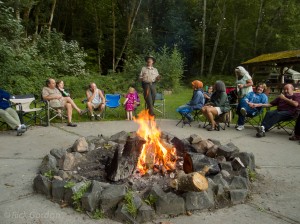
(113, 102)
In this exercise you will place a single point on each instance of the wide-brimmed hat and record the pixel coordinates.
(150, 56)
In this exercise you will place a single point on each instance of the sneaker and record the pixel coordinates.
(72, 125)
(240, 127)
(243, 111)
(23, 126)
(260, 129)
(20, 131)
(98, 118)
(260, 134)
(92, 118)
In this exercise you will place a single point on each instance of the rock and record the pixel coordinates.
(57, 178)
(226, 151)
(226, 166)
(218, 179)
(212, 152)
(64, 175)
(238, 196)
(145, 214)
(68, 161)
(199, 162)
(119, 137)
(198, 200)
(95, 141)
(194, 139)
(58, 190)
(179, 145)
(219, 190)
(90, 200)
(237, 164)
(111, 196)
(216, 142)
(245, 173)
(70, 191)
(221, 159)
(202, 146)
(91, 146)
(123, 215)
(49, 163)
(58, 153)
(247, 159)
(233, 147)
(164, 200)
(211, 185)
(80, 145)
(239, 182)
(42, 185)
(167, 136)
(225, 174)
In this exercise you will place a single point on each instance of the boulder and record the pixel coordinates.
(196, 162)
(68, 162)
(239, 182)
(111, 196)
(70, 191)
(237, 164)
(164, 200)
(221, 159)
(58, 153)
(80, 145)
(216, 142)
(247, 159)
(218, 179)
(49, 163)
(238, 196)
(245, 173)
(145, 214)
(198, 200)
(212, 152)
(63, 174)
(226, 151)
(119, 137)
(195, 139)
(90, 200)
(123, 215)
(58, 190)
(225, 174)
(226, 166)
(42, 184)
(219, 190)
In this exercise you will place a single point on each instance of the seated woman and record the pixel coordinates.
(60, 86)
(208, 94)
(9, 115)
(218, 104)
(251, 105)
(196, 103)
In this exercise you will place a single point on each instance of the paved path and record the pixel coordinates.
(276, 199)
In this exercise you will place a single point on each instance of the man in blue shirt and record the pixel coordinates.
(9, 115)
(196, 103)
(251, 105)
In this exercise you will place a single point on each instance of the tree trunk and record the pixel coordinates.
(224, 62)
(203, 37)
(259, 21)
(235, 31)
(114, 35)
(51, 15)
(212, 60)
(99, 36)
(131, 21)
(36, 19)
(26, 18)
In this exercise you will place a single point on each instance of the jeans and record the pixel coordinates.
(149, 96)
(251, 112)
(275, 116)
(11, 117)
(297, 127)
(186, 110)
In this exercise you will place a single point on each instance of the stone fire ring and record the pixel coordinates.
(86, 177)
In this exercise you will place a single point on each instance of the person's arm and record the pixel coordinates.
(90, 97)
(48, 97)
(206, 96)
(125, 101)
(291, 102)
(141, 76)
(102, 97)
(249, 82)
(4, 94)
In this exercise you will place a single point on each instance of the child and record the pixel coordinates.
(130, 102)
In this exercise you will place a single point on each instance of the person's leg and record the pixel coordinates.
(148, 97)
(11, 117)
(153, 92)
(130, 115)
(297, 127)
(185, 110)
(127, 115)
(69, 100)
(90, 108)
(211, 113)
(69, 109)
(273, 117)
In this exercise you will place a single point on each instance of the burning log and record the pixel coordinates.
(195, 181)
(125, 159)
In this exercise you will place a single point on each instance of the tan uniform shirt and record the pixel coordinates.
(148, 74)
(55, 102)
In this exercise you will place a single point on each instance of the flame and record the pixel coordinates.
(155, 153)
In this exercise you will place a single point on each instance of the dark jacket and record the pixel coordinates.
(197, 101)
(220, 99)
(4, 100)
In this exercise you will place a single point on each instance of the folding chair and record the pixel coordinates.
(112, 102)
(253, 120)
(183, 119)
(86, 111)
(159, 104)
(53, 112)
(23, 105)
(224, 118)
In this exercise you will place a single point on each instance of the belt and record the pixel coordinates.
(150, 83)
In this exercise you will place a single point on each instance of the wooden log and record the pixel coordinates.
(190, 182)
(125, 159)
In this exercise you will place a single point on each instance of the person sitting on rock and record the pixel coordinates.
(95, 101)
(287, 104)
(9, 115)
(251, 105)
(196, 103)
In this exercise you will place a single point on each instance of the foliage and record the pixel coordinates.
(69, 184)
(150, 200)
(129, 204)
(49, 174)
(252, 175)
(78, 195)
(98, 214)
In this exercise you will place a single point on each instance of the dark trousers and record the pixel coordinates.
(149, 96)
(251, 112)
(275, 116)
(297, 126)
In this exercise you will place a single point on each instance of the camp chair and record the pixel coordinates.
(196, 117)
(159, 104)
(224, 118)
(27, 113)
(53, 112)
(86, 111)
(112, 102)
(255, 120)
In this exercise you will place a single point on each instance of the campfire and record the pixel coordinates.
(156, 154)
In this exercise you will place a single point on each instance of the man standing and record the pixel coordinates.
(149, 75)
(95, 101)
(286, 103)
(56, 100)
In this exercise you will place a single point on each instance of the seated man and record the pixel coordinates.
(9, 115)
(95, 101)
(56, 100)
(286, 103)
(196, 103)
(251, 105)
